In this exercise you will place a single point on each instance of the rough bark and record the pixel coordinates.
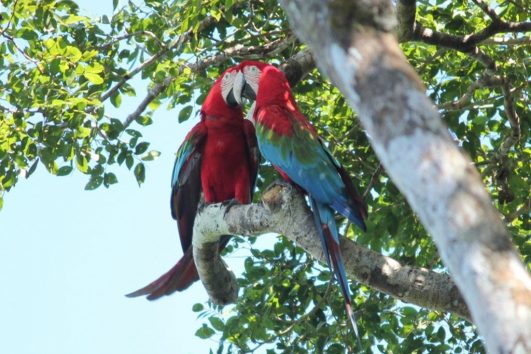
(353, 45)
(284, 210)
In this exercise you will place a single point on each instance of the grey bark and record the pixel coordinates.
(284, 210)
(353, 45)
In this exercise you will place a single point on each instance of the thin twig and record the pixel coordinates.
(310, 313)
(10, 18)
(506, 41)
(484, 81)
(236, 51)
(130, 35)
(486, 9)
(373, 179)
(34, 61)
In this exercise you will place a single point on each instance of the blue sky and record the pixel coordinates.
(68, 256)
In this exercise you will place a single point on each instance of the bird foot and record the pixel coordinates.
(279, 183)
(228, 204)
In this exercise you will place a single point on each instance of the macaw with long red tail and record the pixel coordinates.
(288, 140)
(218, 159)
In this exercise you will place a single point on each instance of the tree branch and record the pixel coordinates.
(507, 41)
(484, 81)
(154, 58)
(406, 13)
(486, 9)
(500, 164)
(466, 43)
(364, 61)
(283, 210)
(166, 49)
(297, 66)
(37, 64)
(117, 39)
(409, 29)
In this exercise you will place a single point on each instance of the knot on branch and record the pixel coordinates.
(218, 220)
(277, 196)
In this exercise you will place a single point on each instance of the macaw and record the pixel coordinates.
(288, 140)
(219, 159)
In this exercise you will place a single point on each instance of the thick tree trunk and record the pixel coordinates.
(353, 45)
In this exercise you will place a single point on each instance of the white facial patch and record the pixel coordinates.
(226, 84)
(252, 76)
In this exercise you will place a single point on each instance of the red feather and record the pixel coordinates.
(223, 165)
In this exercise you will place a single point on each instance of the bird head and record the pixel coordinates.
(231, 83)
(252, 72)
(224, 98)
(264, 83)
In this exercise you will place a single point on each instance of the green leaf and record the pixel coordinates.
(64, 170)
(150, 155)
(184, 114)
(204, 332)
(217, 323)
(29, 35)
(129, 161)
(73, 19)
(197, 307)
(116, 100)
(73, 53)
(141, 148)
(82, 163)
(114, 4)
(140, 173)
(144, 120)
(95, 68)
(109, 179)
(93, 78)
(32, 168)
(93, 183)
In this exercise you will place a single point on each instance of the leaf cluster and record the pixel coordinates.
(63, 75)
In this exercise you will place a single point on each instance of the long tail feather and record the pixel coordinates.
(178, 278)
(327, 227)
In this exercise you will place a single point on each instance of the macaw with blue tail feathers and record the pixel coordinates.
(288, 140)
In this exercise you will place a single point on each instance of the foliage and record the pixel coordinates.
(60, 71)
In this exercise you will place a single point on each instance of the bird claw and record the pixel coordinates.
(228, 204)
(279, 182)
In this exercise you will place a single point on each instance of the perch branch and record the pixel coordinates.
(283, 210)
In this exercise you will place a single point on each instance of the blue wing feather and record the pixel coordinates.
(186, 183)
(307, 161)
(189, 145)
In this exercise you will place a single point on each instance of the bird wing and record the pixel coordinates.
(290, 142)
(254, 153)
(186, 183)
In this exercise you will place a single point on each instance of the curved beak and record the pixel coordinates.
(250, 112)
(234, 97)
(251, 77)
(248, 91)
